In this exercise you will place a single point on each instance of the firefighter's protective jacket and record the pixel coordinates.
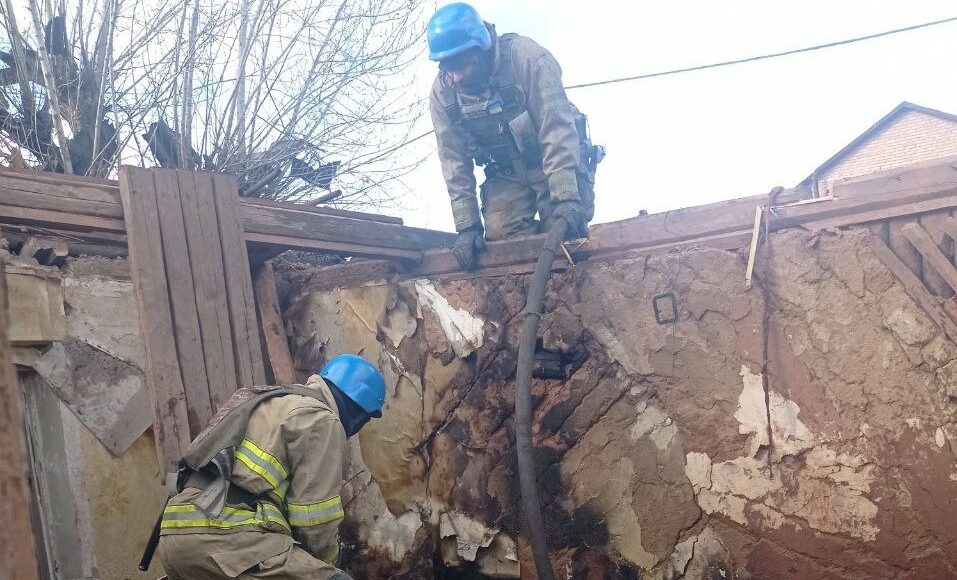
(285, 478)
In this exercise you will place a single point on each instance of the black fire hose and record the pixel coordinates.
(531, 504)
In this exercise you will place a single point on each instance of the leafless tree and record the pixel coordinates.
(301, 100)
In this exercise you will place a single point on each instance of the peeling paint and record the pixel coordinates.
(470, 535)
(465, 332)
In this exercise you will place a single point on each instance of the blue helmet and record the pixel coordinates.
(455, 28)
(357, 379)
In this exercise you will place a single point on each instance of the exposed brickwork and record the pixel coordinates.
(912, 137)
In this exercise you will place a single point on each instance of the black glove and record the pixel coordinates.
(467, 246)
(574, 215)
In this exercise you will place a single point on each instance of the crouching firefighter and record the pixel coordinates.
(498, 102)
(257, 495)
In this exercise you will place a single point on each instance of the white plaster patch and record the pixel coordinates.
(698, 470)
(913, 422)
(464, 331)
(791, 436)
(940, 438)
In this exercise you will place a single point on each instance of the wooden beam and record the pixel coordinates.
(239, 290)
(77, 203)
(924, 244)
(171, 423)
(258, 219)
(273, 330)
(331, 247)
(205, 255)
(189, 344)
(17, 549)
(58, 219)
(915, 288)
(901, 193)
(372, 217)
(892, 194)
(902, 247)
(936, 225)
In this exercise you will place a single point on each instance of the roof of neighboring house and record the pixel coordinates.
(883, 122)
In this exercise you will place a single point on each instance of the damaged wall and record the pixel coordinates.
(96, 478)
(799, 429)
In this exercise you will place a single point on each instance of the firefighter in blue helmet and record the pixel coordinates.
(498, 102)
(259, 496)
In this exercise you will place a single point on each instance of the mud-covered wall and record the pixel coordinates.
(799, 429)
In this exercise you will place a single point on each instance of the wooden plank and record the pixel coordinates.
(209, 222)
(18, 558)
(936, 226)
(932, 255)
(171, 424)
(915, 288)
(242, 305)
(925, 177)
(372, 217)
(273, 330)
(59, 219)
(730, 222)
(205, 257)
(901, 246)
(61, 178)
(189, 344)
(880, 229)
(503, 258)
(753, 251)
(91, 188)
(74, 189)
(48, 202)
(889, 194)
(332, 247)
(258, 219)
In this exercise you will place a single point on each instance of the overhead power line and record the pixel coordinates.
(723, 63)
(763, 56)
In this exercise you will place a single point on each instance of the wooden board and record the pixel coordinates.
(259, 219)
(205, 256)
(935, 224)
(194, 289)
(934, 259)
(273, 330)
(239, 291)
(372, 217)
(176, 256)
(331, 247)
(17, 548)
(915, 289)
(903, 248)
(163, 372)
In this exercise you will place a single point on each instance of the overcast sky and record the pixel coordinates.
(734, 131)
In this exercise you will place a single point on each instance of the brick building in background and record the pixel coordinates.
(907, 135)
